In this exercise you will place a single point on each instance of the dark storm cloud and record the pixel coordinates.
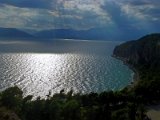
(45, 4)
(114, 15)
(142, 2)
(68, 14)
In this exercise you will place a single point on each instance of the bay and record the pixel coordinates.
(83, 66)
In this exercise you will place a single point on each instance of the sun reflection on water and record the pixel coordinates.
(86, 67)
(42, 73)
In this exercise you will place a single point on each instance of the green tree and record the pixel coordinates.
(71, 110)
(12, 98)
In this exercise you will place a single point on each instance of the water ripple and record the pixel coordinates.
(84, 67)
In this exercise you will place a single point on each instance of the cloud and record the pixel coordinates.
(138, 12)
(116, 15)
(145, 10)
(22, 17)
(35, 18)
(42, 4)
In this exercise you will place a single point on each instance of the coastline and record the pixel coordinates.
(135, 71)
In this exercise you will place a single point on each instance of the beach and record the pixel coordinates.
(154, 112)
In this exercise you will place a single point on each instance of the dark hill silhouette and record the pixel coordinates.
(91, 34)
(144, 51)
(10, 33)
(144, 56)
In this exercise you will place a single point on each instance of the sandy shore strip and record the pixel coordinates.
(154, 112)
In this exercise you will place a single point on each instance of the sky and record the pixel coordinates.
(114, 15)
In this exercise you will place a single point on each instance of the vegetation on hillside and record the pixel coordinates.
(144, 56)
(120, 105)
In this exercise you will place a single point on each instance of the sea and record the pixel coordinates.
(40, 68)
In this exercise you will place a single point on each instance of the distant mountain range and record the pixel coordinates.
(91, 34)
(13, 33)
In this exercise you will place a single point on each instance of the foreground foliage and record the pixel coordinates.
(121, 105)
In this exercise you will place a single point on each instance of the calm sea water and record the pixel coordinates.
(82, 66)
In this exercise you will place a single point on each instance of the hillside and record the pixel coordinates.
(90, 34)
(144, 51)
(144, 56)
(45, 35)
(10, 33)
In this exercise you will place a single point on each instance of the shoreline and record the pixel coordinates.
(136, 77)
(154, 112)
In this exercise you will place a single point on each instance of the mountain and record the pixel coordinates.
(144, 51)
(68, 34)
(10, 33)
(91, 34)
